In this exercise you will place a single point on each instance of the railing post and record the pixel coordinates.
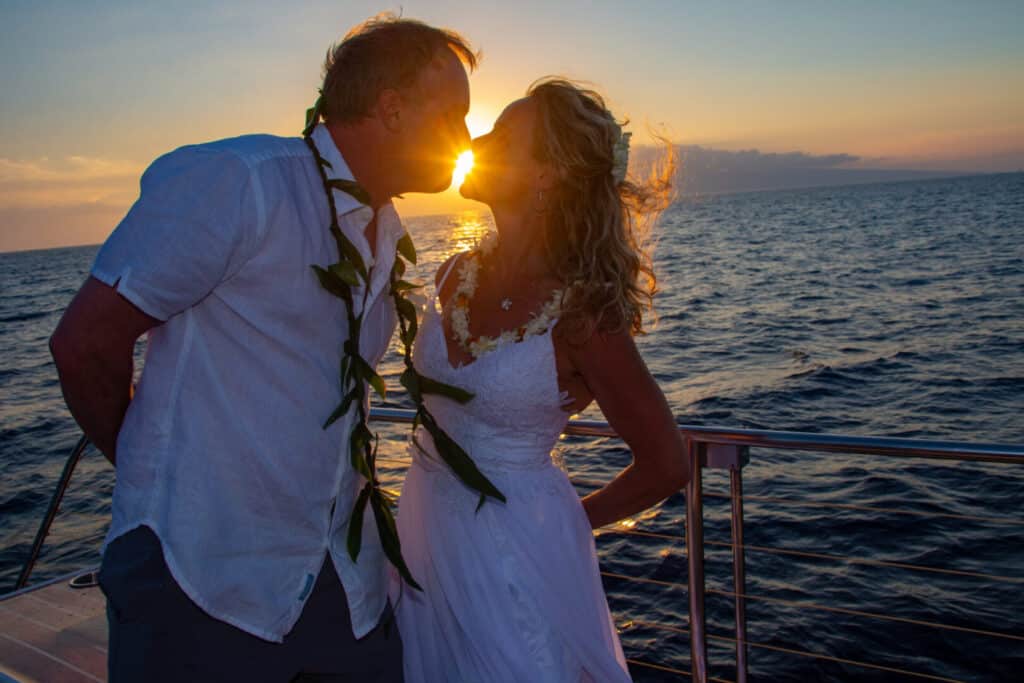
(733, 458)
(695, 561)
(739, 580)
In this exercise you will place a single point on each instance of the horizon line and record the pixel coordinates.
(940, 175)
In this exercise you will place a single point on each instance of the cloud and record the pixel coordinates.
(72, 200)
(56, 226)
(981, 159)
(706, 170)
(46, 183)
(750, 159)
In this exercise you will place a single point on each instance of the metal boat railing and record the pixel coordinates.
(51, 512)
(728, 449)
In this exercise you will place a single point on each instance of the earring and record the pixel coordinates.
(540, 201)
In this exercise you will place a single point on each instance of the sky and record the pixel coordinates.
(92, 92)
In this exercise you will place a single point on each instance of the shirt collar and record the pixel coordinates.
(389, 225)
(343, 201)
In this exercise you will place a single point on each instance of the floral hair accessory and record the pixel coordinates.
(620, 154)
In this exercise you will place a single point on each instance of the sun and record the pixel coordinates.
(463, 166)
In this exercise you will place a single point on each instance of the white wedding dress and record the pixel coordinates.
(511, 592)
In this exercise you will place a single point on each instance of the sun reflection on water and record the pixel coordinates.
(465, 232)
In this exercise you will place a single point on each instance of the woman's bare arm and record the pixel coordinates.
(636, 409)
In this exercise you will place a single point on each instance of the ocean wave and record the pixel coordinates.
(26, 316)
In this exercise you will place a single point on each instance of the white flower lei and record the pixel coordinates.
(469, 269)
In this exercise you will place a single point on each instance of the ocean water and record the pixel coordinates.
(891, 310)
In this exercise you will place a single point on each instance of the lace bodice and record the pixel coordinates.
(515, 417)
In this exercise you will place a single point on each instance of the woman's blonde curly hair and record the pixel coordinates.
(596, 227)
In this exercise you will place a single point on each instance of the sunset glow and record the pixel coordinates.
(462, 167)
(846, 88)
(480, 121)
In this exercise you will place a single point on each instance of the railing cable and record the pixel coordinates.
(658, 667)
(871, 508)
(861, 560)
(824, 608)
(803, 653)
(669, 669)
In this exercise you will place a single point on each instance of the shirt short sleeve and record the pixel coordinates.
(196, 221)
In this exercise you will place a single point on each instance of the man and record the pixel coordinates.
(226, 556)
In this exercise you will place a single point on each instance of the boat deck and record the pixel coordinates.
(54, 634)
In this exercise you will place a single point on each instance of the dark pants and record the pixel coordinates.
(158, 635)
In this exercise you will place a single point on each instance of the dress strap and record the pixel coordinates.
(451, 264)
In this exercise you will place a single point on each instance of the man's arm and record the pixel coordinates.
(92, 348)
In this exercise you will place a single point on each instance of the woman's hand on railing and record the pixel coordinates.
(635, 407)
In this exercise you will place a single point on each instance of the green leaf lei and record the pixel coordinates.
(339, 279)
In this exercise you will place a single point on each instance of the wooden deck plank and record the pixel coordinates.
(62, 644)
(54, 634)
(91, 629)
(55, 618)
(27, 663)
(74, 601)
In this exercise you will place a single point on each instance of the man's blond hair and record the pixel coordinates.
(386, 51)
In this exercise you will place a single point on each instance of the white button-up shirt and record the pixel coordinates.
(222, 450)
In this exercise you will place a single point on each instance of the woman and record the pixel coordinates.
(537, 323)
